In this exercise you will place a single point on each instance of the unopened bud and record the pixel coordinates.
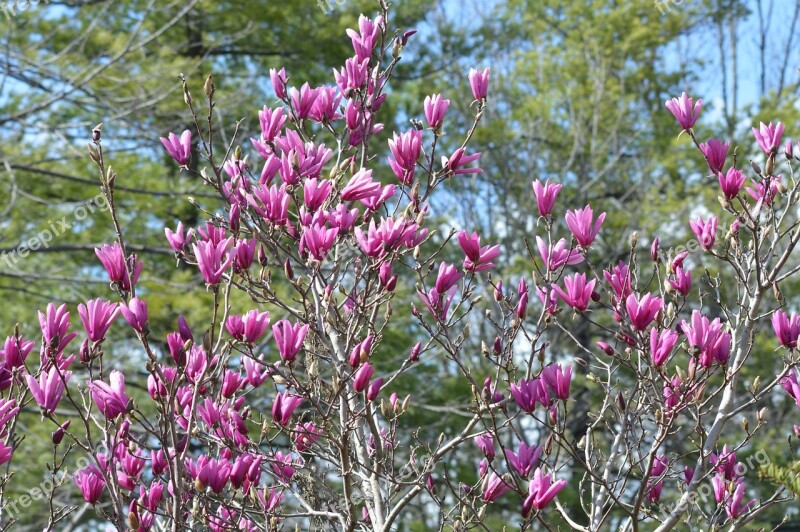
(405, 403)
(770, 166)
(756, 385)
(287, 269)
(208, 87)
(58, 434)
(96, 132)
(93, 153)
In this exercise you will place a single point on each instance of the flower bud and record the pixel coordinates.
(605, 347)
(415, 351)
(58, 434)
(208, 87)
(654, 248)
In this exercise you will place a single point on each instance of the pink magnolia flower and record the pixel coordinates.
(361, 187)
(654, 248)
(91, 483)
(47, 391)
(528, 392)
(447, 278)
(279, 80)
(478, 258)
(708, 338)
(232, 382)
(114, 262)
(248, 327)
(303, 100)
(366, 37)
(318, 240)
(405, 150)
(619, 278)
(361, 351)
(255, 371)
(764, 192)
(457, 163)
(272, 203)
(179, 238)
(97, 316)
(655, 483)
(682, 282)
(706, 231)
(541, 491)
(769, 136)
(374, 389)
(135, 313)
(213, 473)
(353, 75)
(494, 487)
(546, 196)
(731, 183)
(271, 121)
(179, 148)
(558, 380)
(557, 255)
(643, 311)
(485, 443)
(715, 151)
(315, 192)
(787, 329)
(213, 259)
(525, 459)
(479, 83)
(6, 453)
(284, 406)
(578, 292)
(790, 384)
(8, 409)
(362, 377)
(661, 344)
(374, 202)
(306, 435)
(244, 252)
(289, 338)
(110, 399)
(326, 106)
(435, 108)
(579, 222)
(388, 281)
(681, 108)
(15, 351)
(735, 506)
(54, 323)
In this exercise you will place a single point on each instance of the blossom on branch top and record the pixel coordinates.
(769, 136)
(683, 111)
(479, 83)
(179, 148)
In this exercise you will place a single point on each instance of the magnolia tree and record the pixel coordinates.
(321, 247)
